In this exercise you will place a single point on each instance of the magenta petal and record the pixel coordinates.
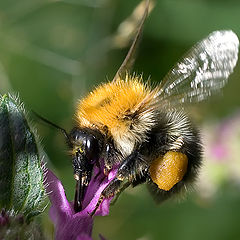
(84, 237)
(97, 184)
(77, 227)
(68, 225)
(60, 205)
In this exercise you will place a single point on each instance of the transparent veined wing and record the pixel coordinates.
(130, 58)
(203, 71)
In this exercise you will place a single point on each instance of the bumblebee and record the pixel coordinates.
(144, 131)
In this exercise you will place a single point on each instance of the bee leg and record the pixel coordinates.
(125, 185)
(133, 167)
(113, 188)
(108, 157)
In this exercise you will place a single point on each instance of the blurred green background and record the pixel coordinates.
(52, 52)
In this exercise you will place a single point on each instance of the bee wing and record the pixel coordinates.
(203, 71)
(130, 58)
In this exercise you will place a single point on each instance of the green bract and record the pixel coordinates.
(21, 172)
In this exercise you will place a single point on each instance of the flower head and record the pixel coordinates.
(77, 225)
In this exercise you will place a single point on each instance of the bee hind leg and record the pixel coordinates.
(112, 189)
(123, 187)
(131, 169)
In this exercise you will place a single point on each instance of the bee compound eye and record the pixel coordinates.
(92, 148)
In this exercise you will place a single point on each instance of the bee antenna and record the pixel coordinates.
(66, 135)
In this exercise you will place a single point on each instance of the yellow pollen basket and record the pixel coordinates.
(168, 170)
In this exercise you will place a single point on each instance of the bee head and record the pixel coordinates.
(85, 152)
(85, 145)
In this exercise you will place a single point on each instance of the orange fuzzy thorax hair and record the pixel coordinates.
(123, 107)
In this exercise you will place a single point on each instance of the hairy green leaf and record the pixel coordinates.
(21, 171)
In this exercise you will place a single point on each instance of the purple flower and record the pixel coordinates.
(69, 224)
(223, 137)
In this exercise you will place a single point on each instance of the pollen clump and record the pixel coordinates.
(168, 170)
